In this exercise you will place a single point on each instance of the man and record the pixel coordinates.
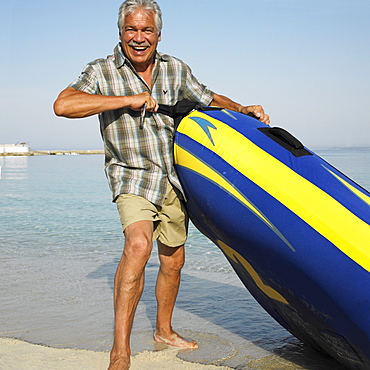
(139, 166)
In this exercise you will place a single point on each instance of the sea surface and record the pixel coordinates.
(60, 243)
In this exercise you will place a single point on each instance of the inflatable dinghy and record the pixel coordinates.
(294, 228)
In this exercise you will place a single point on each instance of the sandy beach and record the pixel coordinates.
(16, 354)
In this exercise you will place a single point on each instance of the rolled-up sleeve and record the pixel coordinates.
(195, 90)
(87, 81)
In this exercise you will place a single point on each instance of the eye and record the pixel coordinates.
(129, 29)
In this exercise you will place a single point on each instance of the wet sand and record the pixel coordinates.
(16, 354)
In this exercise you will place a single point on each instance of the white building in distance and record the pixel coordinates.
(14, 148)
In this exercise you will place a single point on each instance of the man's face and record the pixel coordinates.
(139, 38)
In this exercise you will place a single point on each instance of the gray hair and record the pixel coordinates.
(130, 6)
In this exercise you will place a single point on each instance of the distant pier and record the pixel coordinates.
(51, 152)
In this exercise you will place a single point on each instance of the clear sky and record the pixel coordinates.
(306, 61)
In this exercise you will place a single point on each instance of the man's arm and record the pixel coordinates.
(72, 103)
(224, 102)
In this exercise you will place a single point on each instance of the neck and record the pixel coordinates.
(144, 67)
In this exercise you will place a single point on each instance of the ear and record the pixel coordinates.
(159, 36)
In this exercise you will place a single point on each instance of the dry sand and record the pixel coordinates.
(16, 354)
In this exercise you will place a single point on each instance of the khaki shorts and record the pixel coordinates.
(170, 220)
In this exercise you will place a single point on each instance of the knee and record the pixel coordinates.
(172, 266)
(177, 265)
(138, 248)
(134, 258)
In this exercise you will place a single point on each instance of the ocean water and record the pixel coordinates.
(60, 243)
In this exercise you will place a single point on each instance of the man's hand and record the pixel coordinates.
(136, 102)
(258, 111)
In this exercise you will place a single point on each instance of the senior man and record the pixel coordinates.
(138, 147)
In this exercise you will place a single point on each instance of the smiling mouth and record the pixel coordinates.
(139, 48)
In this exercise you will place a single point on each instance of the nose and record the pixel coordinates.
(139, 36)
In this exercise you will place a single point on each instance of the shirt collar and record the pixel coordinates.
(120, 59)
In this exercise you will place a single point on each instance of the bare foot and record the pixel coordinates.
(176, 340)
(121, 363)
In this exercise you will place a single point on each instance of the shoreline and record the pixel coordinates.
(101, 151)
(18, 354)
(52, 152)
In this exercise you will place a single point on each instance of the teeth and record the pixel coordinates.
(139, 47)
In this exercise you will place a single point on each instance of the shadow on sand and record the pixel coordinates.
(220, 304)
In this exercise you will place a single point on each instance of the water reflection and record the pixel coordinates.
(14, 168)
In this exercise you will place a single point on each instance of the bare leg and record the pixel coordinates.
(168, 283)
(128, 287)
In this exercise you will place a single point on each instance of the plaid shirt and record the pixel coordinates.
(140, 160)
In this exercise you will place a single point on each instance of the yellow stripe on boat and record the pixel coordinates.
(238, 258)
(314, 206)
(355, 191)
(188, 160)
